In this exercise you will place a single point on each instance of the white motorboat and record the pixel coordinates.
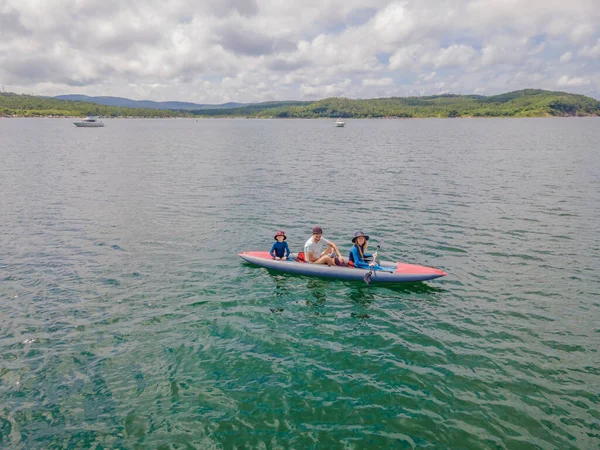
(90, 122)
(340, 123)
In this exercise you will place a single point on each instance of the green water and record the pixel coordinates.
(128, 321)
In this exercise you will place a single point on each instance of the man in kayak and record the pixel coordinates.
(319, 250)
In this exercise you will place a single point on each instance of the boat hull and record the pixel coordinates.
(88, 124)
(401, 272)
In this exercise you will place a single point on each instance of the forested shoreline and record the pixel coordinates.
(523, 103)
(21, 105)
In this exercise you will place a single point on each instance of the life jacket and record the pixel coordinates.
(301, 257)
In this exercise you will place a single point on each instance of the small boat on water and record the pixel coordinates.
(340, 123)
(89, 122)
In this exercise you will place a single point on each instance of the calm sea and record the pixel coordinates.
(127, 320)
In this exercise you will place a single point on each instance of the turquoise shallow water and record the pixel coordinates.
(128, 321)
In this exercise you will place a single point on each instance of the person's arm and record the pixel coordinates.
(272, 252)
(362, 264)
(287, 250)
(326, 250)
(332, 244)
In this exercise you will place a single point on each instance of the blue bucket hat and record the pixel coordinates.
(359, 234)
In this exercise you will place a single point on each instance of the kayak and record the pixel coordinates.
(395, 272)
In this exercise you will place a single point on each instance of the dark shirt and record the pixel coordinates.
(279, 249)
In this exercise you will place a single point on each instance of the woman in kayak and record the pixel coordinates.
(357, 256)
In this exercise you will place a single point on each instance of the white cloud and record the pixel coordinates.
(325, 90)
(582, 33)
(567, 81)
(566, 57)
(507, 49)
(393, 23)
(252, 50)
(406, 57)
(455, 55)
(378, 81)
(591, 51)
(427, 76)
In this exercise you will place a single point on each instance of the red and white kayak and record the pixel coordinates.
(399, 272)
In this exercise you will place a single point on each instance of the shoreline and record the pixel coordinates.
(548, 116)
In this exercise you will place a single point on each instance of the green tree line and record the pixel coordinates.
(34, 106)
(523, 103)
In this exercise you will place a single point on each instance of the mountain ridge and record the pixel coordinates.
(148, 104)
(522, 103)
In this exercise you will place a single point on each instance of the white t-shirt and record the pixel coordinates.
(315, 247)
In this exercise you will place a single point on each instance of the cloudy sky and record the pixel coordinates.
(215, 51)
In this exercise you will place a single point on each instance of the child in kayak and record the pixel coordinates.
(280, 248)
(357, 254)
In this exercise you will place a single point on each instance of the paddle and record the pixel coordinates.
(369, 274)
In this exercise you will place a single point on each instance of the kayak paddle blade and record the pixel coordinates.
(367, 277)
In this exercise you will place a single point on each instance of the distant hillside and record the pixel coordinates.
(34, 106)
(147, 104)
(523, 103)
(264, 109)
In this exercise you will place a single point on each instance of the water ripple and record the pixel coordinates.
(128, 321)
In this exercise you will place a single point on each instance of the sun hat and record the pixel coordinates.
(359, 234)
(317, 230)
(280, 233)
